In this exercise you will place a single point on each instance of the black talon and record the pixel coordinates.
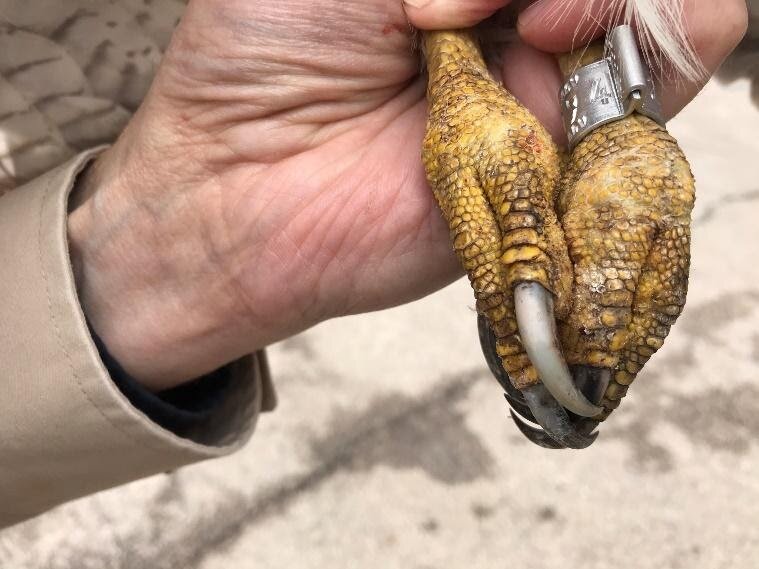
(535, 435)
(560, 429)
(554, 419)
(586, 426)
(591, 381)
(520, 407)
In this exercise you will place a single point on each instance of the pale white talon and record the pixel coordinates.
(537, 329)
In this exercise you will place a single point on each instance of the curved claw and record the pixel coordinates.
(537, 436)
(592, 381)
(537, 405)
(586, 426)
(520, 407)
(537, 329)
(554, 419)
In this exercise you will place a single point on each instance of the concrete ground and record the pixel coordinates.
(392, 446)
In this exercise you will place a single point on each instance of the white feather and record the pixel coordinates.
(661, 27)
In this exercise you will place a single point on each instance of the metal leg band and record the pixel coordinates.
(610, 89)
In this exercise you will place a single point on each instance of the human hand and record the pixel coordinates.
(272, 180)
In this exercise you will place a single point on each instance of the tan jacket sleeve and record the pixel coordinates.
(65, 428)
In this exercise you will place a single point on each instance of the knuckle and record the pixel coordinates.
(735, 21)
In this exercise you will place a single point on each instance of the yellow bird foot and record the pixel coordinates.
(598, 244)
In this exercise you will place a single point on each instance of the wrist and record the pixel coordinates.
(143, 279)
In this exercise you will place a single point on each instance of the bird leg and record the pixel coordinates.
(495, 171)
(625, 203)
(586, 248)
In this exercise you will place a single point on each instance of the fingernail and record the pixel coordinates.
(533, 12)
(417, 3)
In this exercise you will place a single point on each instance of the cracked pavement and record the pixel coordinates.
(392, 445)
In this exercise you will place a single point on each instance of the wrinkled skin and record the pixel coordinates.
(606, 231)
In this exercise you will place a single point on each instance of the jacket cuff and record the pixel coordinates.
(67, 429)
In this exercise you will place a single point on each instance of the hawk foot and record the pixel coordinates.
(579, 266)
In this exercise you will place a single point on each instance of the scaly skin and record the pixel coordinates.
(625, 205)
(609, 237)
(494, 170)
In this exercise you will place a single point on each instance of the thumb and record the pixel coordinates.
(446, 14)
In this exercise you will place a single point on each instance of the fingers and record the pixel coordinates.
(715, 28)
(534, 78)
(450, 14)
